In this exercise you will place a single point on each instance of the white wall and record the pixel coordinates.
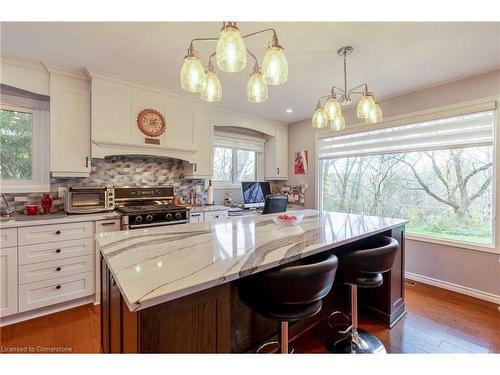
(468, 271)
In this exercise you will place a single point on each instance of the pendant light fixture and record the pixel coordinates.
(318, 119)
(231, 51)
(275, 65)
(367, 109)
(192, 73)
(231, 56)
(213, 89)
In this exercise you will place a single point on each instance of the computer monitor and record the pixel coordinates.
(254, 193)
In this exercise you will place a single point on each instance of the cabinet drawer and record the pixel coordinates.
(49, 292)
(8, 237)
(54, 251)
(31, 273)
(215, 215)
(56, 232)
(196, 217)
(103, 226)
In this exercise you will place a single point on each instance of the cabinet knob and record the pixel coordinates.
(58, 287)
(58, 250)
(58, 268)
(278, 170)
(58, 232)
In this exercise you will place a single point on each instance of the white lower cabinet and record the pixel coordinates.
(212, 216)
(196, 217)
(55, 251)
(8, 281)
(49, 292)
(55, 269)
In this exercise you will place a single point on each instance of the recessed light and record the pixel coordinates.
(289, 110)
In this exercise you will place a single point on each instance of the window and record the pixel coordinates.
(23, 145)
(236, 158)
(438, 174)
(16, 144)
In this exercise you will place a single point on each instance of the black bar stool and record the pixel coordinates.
(363, 268)
(290, 293)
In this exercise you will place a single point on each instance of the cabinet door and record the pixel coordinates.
(69, 126)
(214, 216)
(282, 152)
(196, 217)
(8, 281)
(202, 165)
(276, 155)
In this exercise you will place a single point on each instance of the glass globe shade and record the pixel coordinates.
(375, 115)
(213, 89)
(275, 66)
(365, 106)
(332, 108)
(192, 74)
(256, 88)
(231, 51)
(318, 119)
(338, 122)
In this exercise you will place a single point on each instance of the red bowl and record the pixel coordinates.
(31, 209)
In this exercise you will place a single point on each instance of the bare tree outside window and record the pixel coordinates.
(444, 193)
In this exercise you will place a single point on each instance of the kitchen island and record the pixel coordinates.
(174, 288)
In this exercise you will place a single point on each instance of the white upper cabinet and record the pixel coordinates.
(276, 155)
(69, 125)
(116, 104)
(202, 163)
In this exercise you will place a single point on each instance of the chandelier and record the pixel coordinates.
(331, 113)
(231, 57)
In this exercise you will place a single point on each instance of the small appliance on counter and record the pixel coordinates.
(86, 200)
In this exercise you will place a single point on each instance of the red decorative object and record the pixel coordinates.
(31, 209)
(46, 202)
(301, 162)
(151, 122)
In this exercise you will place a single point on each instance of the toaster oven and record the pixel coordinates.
(85, 200)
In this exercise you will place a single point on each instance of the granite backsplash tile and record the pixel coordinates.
(118, 171)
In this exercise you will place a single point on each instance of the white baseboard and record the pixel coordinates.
(490, 297)
(27, 315)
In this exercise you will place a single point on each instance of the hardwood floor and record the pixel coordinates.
(438, 321)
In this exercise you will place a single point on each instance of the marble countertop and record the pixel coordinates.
(156, 265)
(207, 208)
(57, 219)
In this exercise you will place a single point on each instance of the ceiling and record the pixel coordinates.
(393, 58)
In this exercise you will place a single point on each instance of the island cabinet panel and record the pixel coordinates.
(386, 303)
(198, 323)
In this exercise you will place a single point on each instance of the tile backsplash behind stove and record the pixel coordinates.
(118, 171)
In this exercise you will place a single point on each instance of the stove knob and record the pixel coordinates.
(149, 218)
(178, 215)
(168, 216)
(138, 219)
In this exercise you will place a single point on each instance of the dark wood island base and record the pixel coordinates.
(215, 321)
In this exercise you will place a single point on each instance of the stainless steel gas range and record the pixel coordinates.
(148, 206)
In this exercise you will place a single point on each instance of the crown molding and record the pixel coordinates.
(71, 73)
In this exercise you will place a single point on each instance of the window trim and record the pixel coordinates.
(464, 107)
(40, 182)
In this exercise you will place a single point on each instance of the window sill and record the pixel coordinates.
(27, 188)
(445, 242)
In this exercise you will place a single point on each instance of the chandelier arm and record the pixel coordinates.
(339, 89)
(351, 91)
(210, 64)
(275, 36)
(191, 44)
(256, 65)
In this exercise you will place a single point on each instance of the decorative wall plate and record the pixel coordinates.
(151, 122)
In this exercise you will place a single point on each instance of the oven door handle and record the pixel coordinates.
(135, 226)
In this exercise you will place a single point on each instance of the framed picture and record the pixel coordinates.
(301, 162)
